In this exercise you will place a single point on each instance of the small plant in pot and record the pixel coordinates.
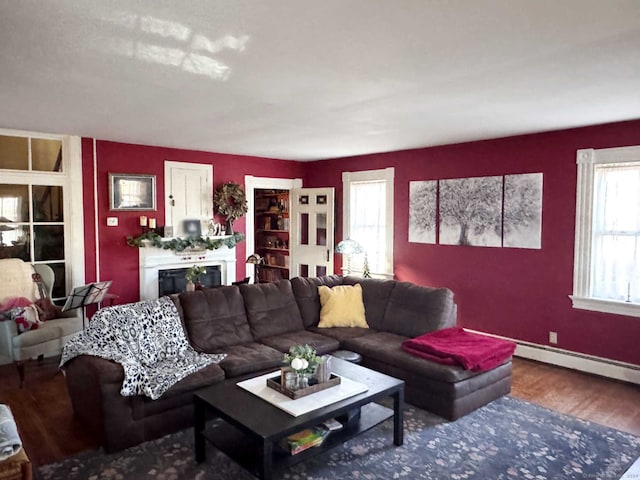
(303, 360)
(193, 276)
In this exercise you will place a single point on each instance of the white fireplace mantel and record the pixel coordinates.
(153, 259)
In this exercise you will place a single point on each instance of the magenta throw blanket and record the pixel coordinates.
(456, 346)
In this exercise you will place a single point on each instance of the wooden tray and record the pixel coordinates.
(276, 384)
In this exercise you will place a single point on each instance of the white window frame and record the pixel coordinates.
(587, 159)
(387, 175)
(71, 180)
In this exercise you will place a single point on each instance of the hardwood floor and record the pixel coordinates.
(43, 411)
(597, 399)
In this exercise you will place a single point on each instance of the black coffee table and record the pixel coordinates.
(252, 428)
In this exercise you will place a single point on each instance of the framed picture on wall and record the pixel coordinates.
(132, 191)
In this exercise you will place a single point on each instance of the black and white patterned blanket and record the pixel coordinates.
(147, 339)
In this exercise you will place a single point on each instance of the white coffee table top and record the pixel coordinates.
(345, 389)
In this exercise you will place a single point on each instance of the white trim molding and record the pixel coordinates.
(582, 298)
(387, 175)
(74, 216)
(604, 367)
(70, 178)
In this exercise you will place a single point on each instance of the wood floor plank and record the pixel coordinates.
(50, 433)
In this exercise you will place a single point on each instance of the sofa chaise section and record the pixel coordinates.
(448, 391)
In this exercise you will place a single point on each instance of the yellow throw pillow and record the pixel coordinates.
(342, 306)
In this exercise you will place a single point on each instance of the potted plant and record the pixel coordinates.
(303, 360)
(193, 277)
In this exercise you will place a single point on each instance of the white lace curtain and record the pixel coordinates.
(616, 233)
(367, 218)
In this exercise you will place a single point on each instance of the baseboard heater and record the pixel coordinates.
(605, 367)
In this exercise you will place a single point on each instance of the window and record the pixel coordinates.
(607, 254)
(368, 218)
(36, 191)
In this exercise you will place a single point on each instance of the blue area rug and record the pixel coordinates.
(507, 439)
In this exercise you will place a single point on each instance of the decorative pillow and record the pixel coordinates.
(342, 306)
(28, 319)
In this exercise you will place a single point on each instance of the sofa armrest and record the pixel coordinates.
(8, 330)
(100, 369)
(93, 384)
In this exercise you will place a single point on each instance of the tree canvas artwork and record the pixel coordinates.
(471, 211)
(523, 210)
(422, 211)
(482, 211)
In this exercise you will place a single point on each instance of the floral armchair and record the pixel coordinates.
(50, 336)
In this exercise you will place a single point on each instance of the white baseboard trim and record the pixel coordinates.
(605, 367)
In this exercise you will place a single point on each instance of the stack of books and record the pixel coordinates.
(311, 437)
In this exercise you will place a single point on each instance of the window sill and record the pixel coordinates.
(358, 273)
(606, 306)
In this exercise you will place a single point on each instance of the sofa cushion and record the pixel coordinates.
(414, 310)
(306, 293)
(144, 406)
(271, 309)
(342, 306)
(250, 358)
(215, 318)
(320, 343)
(375, 295)
(341, 334)
(387, 347)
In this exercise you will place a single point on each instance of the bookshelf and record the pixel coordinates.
(272, 233)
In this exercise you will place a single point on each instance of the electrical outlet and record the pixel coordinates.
(112, 221)
(553, 338)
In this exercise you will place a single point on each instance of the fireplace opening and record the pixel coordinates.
(173, 280)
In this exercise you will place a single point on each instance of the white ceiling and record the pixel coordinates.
(315, 79)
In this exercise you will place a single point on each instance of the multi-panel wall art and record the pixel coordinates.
(423, 198)
(483, 211)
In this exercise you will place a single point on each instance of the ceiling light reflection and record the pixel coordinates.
(158, 54)
(204, 65)
(200, 42)
(190, 53)
(165, 28)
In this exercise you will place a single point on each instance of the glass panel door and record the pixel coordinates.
(312, 231)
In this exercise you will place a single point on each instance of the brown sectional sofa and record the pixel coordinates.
(255, 324)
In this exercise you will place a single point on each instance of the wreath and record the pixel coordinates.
(230, 200)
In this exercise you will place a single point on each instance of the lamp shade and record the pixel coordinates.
(255, 259)
(349, 247)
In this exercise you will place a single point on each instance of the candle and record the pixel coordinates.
(152, 223)
(143, 221)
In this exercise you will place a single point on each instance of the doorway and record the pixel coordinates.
(290, 227)
(253, 184)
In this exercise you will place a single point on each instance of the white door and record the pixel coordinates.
(188, 194)
(312, 232)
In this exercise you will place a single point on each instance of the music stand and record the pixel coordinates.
(86, 295)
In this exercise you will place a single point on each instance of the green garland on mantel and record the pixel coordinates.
(181, 244)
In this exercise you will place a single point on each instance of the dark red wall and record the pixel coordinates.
(518, 293)
(118, 261)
